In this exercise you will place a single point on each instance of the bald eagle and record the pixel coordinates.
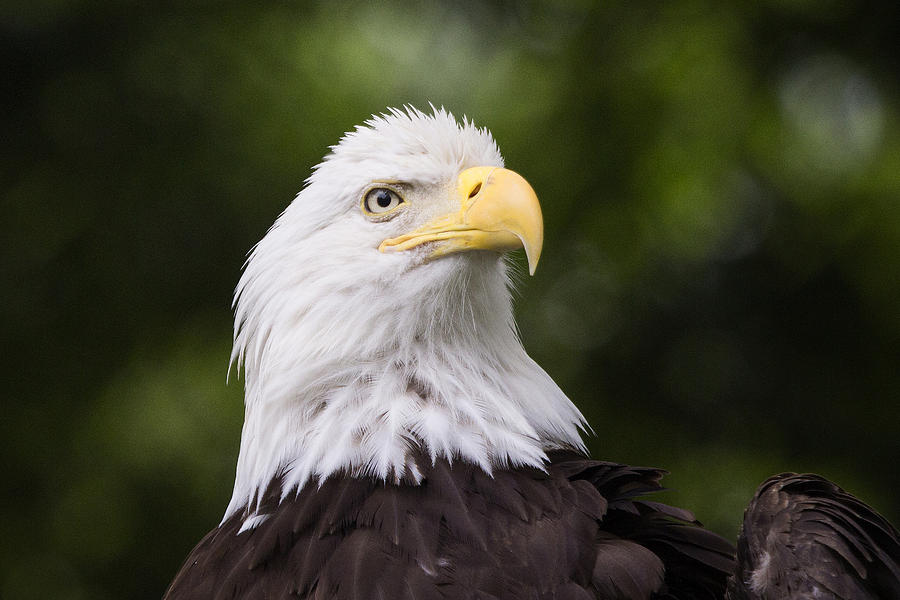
(398, 441)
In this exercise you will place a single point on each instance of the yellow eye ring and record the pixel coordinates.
(381, 201)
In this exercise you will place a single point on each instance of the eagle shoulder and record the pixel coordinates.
(578, 529)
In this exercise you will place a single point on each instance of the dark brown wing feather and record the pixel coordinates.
(696, 561)
(578, 531)
(804, 537)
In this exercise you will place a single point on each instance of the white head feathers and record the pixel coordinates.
(354, 359)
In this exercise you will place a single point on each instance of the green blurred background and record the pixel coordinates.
(718, 292)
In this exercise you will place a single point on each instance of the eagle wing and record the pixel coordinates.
(804, 537)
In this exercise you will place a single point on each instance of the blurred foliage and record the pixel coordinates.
(721, 185)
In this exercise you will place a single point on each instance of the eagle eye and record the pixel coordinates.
(380, 200)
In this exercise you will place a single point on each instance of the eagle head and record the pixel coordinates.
(374, 320)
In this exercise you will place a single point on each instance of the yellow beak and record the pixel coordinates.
(498, 211)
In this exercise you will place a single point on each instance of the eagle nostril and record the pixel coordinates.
(475, 190)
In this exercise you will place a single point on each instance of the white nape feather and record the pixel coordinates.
(356, 360)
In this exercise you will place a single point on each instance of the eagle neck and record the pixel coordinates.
(451, 382)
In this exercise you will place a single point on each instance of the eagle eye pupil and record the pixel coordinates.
(383, 199)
